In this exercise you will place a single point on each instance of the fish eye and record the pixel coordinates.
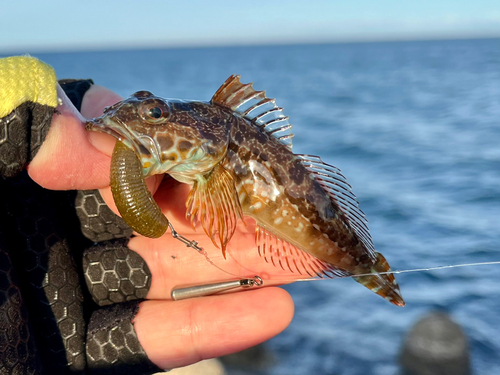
(154, 112)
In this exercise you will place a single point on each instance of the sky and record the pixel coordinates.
(61, 25)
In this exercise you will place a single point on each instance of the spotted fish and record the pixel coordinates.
(236, 152)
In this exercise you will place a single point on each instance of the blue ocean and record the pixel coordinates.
(415, 128)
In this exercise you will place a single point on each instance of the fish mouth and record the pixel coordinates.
(104, 125)
(143, 145)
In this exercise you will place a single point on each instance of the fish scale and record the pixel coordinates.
(236, 152)
(270, 193)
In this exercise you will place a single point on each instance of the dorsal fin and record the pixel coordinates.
(255, 107)
(338, 189)
(214, 203)
(289, 258)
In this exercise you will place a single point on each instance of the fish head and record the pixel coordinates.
(169, 136)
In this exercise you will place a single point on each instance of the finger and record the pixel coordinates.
(93, 104)
(97, 222)
(173, 265)
(154, 335)
(96, 99)
(115, 273)
(69, 158)
(211, 326)
(112, 345)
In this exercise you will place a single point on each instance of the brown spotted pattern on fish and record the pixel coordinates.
(187, 139)
(277, 190)
(235, 151)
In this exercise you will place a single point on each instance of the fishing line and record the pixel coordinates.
(409, 270)
(194, 244)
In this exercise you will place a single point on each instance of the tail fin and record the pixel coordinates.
(383, 285)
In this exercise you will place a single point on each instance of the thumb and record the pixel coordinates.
(71, 157)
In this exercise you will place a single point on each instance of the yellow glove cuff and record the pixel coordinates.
(26, 79)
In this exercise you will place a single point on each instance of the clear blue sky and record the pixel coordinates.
(52, 25)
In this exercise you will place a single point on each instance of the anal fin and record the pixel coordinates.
(283, 254)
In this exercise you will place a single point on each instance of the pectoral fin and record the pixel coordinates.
(214, 203)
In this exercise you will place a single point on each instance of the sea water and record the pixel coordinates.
(415, 127)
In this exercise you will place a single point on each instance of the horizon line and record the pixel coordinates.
(163, 46)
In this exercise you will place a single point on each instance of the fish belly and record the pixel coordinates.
(274, 212)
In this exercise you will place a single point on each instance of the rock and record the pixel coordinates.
(436, 345)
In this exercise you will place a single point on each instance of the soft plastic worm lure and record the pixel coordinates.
(132, 197)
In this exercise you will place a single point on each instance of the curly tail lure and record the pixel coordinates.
(132, 197)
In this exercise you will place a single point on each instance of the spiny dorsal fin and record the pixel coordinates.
(289, 258)
(338, 189)
(255, 107)
(214, 203)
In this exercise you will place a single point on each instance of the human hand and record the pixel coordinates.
(172, 333)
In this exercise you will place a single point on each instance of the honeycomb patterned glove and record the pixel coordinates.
(49, 322)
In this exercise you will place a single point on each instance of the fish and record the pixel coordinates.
(236, 152)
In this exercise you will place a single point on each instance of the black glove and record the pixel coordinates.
(50, 322)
